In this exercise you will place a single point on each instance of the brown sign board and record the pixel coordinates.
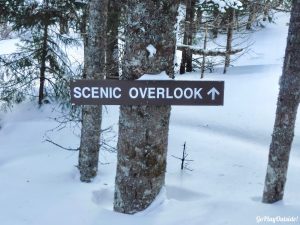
(147, 92)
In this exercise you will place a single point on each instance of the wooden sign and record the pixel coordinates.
(147, 92)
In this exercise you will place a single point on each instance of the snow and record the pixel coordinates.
(152, 50)
(8, 46)
(162, 76)
(224, 4)
(229, 145)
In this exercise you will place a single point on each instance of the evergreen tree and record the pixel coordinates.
(41, 60)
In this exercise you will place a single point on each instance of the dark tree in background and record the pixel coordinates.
(189, 35)
(112, 47)
(230, 28)
(95, 70)
(287, 106)
(41, 59)
(143, 130)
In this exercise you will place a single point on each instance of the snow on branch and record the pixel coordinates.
(223, 4)
(198, 51)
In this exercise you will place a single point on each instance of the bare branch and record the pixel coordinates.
(68, 149)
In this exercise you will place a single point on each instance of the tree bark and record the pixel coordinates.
(186, 64)
(230, 29)
(199, 16)
(287, 106)
(216, 23)
(143, 130)
(204, 56)
(43, 65)
(252, 14)
(95, 69)
(112, 50)
(267, 8)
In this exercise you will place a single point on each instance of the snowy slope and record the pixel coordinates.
(39, 183)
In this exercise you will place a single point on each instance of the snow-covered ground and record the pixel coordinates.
(39, 183)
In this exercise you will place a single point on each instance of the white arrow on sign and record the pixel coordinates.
(213, 92)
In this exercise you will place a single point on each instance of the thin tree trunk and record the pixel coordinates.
(199, 19)
(63, 26)
(185, 39)
(43, 65)
(287, 106)
(112, 50)
(230, 29)
(216, 23)
(95, 69)
(143, 130)
(204, 56)
(252, 15)
(84, 35)
(267, 8)
(189, 33)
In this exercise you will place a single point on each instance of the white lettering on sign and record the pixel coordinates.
(164, 93)
(178, 93)
(168, 94)
(85, 92)
(148, 92)
(144, 93)
(77, 92)
(160, 92)
(97, 92)
(188, 93)
(115, 90)
(136, 93)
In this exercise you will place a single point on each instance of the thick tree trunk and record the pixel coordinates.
(112, 48)
(143, 130)
(95, 69)
(43, 65)
(230, 29)
(287, 106)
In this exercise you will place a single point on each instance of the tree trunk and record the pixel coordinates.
(204, 56)
(63, 26)
(199, 19)
(112, 50)
(84, 35)
(143, 130)
(267, 8)
(189, 33)
(95, 69)
(252, 15)
(43, 65)
(287, 106)
(230, 29)
(216, 22)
